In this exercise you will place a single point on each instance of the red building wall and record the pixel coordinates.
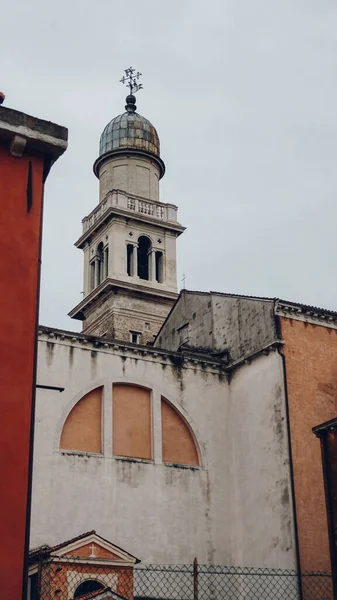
(20, 239)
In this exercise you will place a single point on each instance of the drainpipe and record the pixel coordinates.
(297, 549)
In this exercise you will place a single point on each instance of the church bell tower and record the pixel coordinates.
(129, 239)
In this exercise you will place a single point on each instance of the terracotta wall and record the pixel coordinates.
(20, 224)
(311, 368)
(60, 580)
(83, 426)
(131, 409)
(178, 444)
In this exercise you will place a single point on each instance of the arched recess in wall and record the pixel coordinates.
(131, 421)
(178, 444)
(82, 430)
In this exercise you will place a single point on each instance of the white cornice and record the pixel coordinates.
(306, 314)
(185, 359)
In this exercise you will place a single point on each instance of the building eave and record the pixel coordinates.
(184, 358)
(110, 284)
(306, 313)
(25, 132)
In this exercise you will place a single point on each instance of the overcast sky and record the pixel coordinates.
(243, 94)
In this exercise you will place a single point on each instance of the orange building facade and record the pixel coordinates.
(310, 351)
(28, 147)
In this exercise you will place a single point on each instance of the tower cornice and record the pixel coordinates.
(118, 204)
(129, 152)
(110, 285)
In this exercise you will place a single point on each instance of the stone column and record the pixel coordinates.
(153, 265)
(106, 262)
(134, 268)
(97, 267)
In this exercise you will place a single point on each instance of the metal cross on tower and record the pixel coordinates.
(130, 79)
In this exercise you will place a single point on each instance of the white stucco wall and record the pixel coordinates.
(236, 509)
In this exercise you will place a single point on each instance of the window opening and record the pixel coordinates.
(135, 337)
(100, 255)
(143, 251)
(159, 267)
(33, 587)
(106, 262)
(91, 585)
(129, 257)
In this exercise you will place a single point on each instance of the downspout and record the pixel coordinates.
(291, 468)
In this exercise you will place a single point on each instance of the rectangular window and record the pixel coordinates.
(159, 267)
(129, 257)
(135, 337)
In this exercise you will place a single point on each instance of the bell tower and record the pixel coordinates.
(129, 239)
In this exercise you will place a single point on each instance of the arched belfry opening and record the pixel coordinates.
(143, 256)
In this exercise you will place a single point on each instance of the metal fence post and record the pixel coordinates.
(195, 580)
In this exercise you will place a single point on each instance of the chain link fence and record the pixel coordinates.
(77, 579)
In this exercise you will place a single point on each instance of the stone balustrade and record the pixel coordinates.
(132, 204)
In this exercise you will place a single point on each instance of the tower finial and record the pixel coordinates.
(130, 79)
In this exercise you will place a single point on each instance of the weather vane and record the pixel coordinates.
(130, 79)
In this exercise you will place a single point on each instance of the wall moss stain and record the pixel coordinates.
(50, 353)
(83, 464)
(93, 363)
(71, 356)
(130, 472)
(277, 419)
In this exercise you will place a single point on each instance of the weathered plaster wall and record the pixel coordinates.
(133, 175)
(217, 322)
(235, 509)
(311, 365)
(242, 325)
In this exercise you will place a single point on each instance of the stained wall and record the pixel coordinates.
(234, 508)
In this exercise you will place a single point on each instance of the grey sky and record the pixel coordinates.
(243, 94)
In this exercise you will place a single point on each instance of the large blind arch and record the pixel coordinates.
(138, 422)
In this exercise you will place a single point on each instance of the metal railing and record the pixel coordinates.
(72, 578)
